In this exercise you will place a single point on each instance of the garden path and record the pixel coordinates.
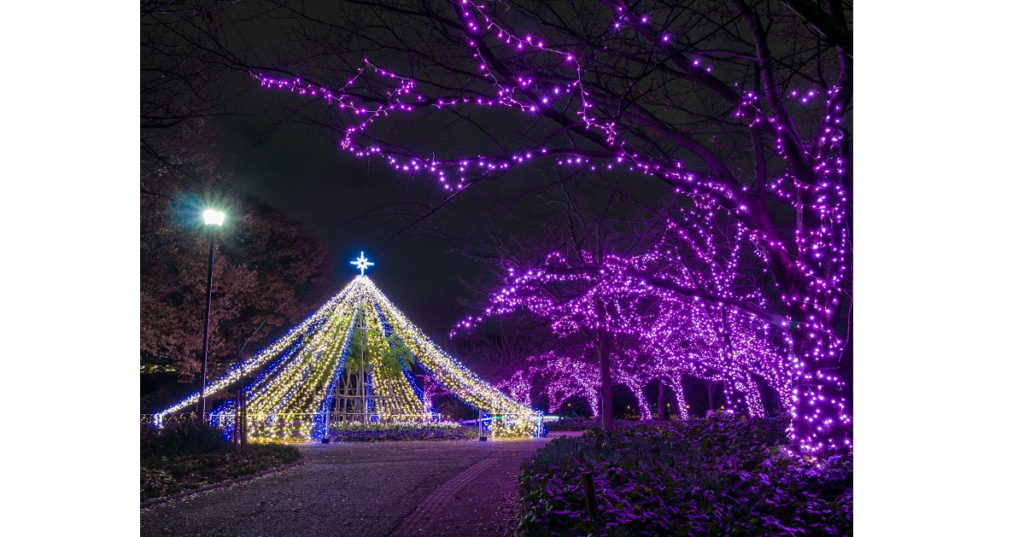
(435, 488)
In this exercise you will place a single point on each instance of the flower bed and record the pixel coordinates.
(401, 431)
(719, 476)
(188, 457)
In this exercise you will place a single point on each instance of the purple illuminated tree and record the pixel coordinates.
(742, 107)
(682, 306)
(585, 221)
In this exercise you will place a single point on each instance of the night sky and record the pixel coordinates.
(302, 172)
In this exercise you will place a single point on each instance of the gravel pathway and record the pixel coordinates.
(422, 520)
(361, 489)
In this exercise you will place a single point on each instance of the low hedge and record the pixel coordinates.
(188, 456)
(585, 424)
(572, 424)
(399, 432)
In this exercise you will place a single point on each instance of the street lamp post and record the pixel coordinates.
(212, 218)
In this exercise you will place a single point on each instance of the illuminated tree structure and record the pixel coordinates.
(744, 107)
(359, 333)
(686, 306)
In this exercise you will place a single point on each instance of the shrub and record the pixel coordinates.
(402, 431)
(720, 476)
(584, 423)
(181, 437)
(188, 455)
(581, 423)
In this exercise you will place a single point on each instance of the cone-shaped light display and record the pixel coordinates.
(299, 373)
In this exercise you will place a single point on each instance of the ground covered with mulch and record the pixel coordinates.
(189, 456)
(725, 475)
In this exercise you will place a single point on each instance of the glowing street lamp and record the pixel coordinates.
(213, 219)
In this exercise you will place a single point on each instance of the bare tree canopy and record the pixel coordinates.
(744, 108)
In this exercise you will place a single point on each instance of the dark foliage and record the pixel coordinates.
(188, 455)
(181, 438)
(581, 423)
(269, 271)
(386, 433)
(719, 476)
(584, 423)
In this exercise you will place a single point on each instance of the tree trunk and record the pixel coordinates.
(607, 420)
(709, 385)
(662, 407)
(816, 427)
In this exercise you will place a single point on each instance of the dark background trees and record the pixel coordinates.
(270, 270)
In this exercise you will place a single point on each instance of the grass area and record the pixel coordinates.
(724, 475)
(399, 432)
(189, 456)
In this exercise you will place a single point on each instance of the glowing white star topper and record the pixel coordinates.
(362, 263)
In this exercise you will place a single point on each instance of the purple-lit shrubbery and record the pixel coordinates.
(397, 432)
(719, 476)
